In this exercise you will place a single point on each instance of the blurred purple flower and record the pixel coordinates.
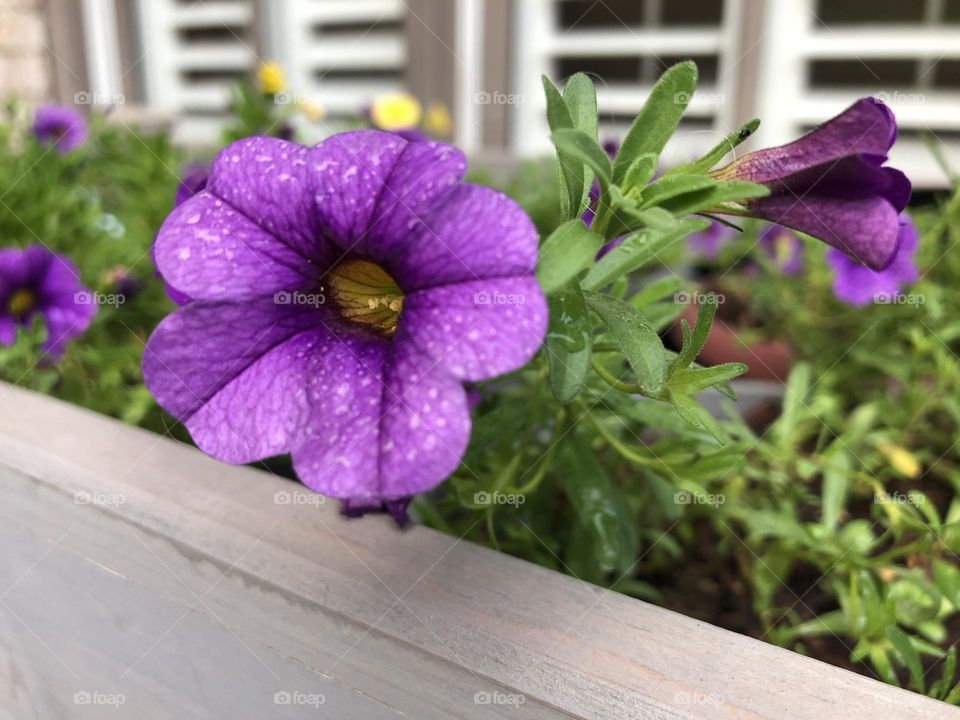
(342, 295)
(831, 184)
(63, 126)
(708, 242)
(784, 248)
(857, 285)
(193, 181)
(36, 282)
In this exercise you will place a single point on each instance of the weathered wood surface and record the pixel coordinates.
(135, 569)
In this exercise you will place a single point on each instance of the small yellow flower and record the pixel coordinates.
(437, 120)
(270, 78)
(900, 459)
(314, 111)
(396, 112)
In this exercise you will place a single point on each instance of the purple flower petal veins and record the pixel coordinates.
(193, 181)
(36, 282)
(62, 126)
(857, 285)
(342, 295)
(831, 183)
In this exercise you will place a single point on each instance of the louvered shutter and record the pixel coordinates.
(625, 45)
(821, 55)
(193, 52)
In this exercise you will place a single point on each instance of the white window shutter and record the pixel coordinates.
(814, 65)
(193, 52)
(553, 37)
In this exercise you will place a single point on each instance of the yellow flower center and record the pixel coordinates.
(21, 302)
(366, 294)
(396, 112)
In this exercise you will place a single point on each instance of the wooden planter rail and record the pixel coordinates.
(141, 579)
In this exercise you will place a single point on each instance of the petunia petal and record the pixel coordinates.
(864, 229)
(425, 425)
(476, 233)
(267, 180)
(348, 172)
(477, 330)
(208, 250)
(236, 373)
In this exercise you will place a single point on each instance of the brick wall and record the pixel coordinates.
(24, 58)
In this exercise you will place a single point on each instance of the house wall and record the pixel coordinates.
(25, 70)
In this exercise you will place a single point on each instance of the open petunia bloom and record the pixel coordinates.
(858, 286)
(62, 126)
(831, 184)
(36, 282)
(341, 296)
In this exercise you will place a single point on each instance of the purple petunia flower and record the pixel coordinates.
(831, 184)
(784, 248)
(858, 286)
(193, 181)
(708, 242)
(35, 281)
(63, 126)
(342, 295)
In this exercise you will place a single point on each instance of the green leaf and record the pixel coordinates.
(690, 381)
(835, 484)
(698, 416)
(713, 197)
(908, 655)
(639, 173)
(569, 340)
(638, 250)
(693, 342)
(570, 170)
(658, 118)
(672, 186)
(793, 405)
(599, 506)
(657, 290)
(577, 144)
(640, 343)
(581, 98)
(717, 153)
(568, 250)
